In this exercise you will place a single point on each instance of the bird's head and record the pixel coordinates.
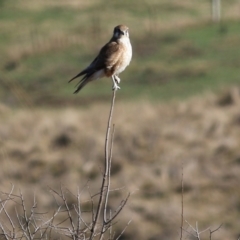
(120, 31)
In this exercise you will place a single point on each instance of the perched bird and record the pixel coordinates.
(112, 59)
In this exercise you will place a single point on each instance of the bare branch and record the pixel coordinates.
(4, 202)
(68, 210)
(27, 231)
(78, 212)
(100, 202)
(212, 231)
(119, 209)
(182, 193)
(124, 229)
(92, 203)
(80, 219)
(47, 221)
(3, 207)
(196, 233)
(108, 177)
(4, 232)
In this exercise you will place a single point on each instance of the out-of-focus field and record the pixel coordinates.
(41, 148)
(179, 103)
(177, 50)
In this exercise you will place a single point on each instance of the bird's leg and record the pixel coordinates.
(117, 78)
(115, 86)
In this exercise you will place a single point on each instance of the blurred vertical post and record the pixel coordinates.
(216, 10)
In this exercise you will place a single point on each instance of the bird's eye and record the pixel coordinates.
(119, 31)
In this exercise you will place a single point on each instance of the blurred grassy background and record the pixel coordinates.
(177, 50)
(182, 85)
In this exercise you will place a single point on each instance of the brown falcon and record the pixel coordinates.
(112, 59)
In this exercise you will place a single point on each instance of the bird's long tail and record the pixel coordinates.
(89, 75)
(82, 83)
(78, 75)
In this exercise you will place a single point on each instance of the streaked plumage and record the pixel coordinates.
(112, 59)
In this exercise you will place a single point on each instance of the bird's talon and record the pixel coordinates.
(115, 87)
(117, 79)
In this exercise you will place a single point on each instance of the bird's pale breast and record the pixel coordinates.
(126, 55)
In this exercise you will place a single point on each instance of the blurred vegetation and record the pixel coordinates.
(177, 50)
(177, 53)
(45, 147)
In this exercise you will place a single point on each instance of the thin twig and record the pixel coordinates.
(182, 187)
(124, 229)
(81, 220)
(100, 202)
(211, 232)
(3, 205)
(104, 226)
(92, 203)
(119, 209)
(27, 230)
(47, 222)
(110, 227)
(196, 230)
(68, 210)
(108, 177)
(78, 213)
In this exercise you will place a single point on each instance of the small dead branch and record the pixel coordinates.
(182, 194)
(124, 230)
(105, 187)
(196, 232)
(26, 225)
(213, 231)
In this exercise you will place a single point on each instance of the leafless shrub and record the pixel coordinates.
(27, 222)
(194, 231)
(68, 220)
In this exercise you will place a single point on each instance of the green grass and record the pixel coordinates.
(40, 55)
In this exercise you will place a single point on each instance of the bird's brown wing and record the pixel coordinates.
(108, 57)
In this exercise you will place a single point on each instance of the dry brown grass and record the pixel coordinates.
(41, 148)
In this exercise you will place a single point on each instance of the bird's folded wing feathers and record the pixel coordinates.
(108, 56)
